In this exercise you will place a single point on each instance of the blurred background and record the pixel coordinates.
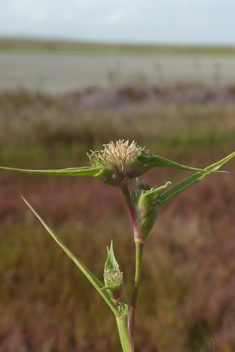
(73, 76)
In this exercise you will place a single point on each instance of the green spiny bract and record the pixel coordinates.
(113, 277)
(146, 205)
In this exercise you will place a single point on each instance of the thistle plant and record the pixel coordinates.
(115, 165)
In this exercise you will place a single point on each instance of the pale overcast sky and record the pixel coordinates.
(130, 21)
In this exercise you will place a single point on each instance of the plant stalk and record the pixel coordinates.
(139, 243)
(139, 254)
(126, 193)
(125, 338)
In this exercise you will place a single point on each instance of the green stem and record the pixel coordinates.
(139, 254)
(125, 338)
(137, 235)
(126, 193)
(139, 242)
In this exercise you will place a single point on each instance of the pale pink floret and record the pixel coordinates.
(119, 156)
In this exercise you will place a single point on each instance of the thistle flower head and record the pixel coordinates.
(120, 159)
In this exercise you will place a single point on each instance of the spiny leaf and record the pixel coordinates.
(152, 161)
(92, 278)
(188, 182)
(76, 171)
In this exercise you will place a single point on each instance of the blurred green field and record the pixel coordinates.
(188, 288)
(17, 44)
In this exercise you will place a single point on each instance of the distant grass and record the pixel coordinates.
(36, 126)
(34, 45)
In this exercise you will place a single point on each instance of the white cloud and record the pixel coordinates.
(69, 17)
(117, 17)
(37, 16)
(33, 10)
(169, 21)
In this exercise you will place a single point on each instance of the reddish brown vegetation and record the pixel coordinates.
(187, 294)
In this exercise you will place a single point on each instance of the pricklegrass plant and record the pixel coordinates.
(115, 165)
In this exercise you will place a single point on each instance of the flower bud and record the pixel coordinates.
(146, 205)
(113, 277)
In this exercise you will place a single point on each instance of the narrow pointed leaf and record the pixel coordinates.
(76, 171)
(93, 280)
(149, 162)
(126, 300)
(188, 182)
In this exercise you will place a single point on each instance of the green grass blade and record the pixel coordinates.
(180, 187)
(218, 164)
(190, 181)
(93, 280)
(76, 171)
(157, 161)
